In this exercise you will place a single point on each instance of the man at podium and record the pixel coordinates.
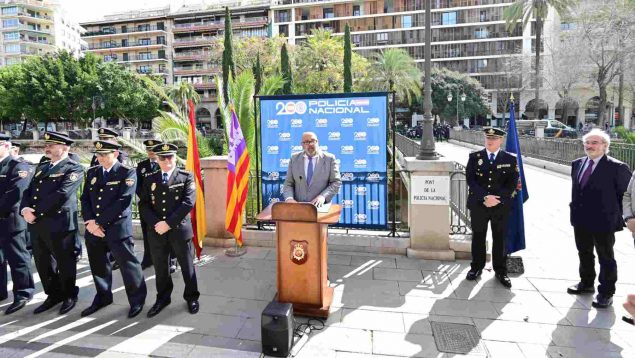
(312, 176)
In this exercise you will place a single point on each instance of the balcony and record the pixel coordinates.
(28, 3)
(136, 58)
(114, 31)
(44, 18)
(35, 29)
(181, 71)
(147, 71)
(213, 25)
(204, 85)
(111, 45)
(194, 41)
(192, 56)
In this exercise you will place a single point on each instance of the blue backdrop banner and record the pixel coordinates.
(352, 126)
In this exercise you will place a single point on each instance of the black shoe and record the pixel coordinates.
(473, 274)
(93, 308)
(628, 320)
(67, 305)
(504, 280)
(580, 288)
(49, 303)
(145, 265)
(135, 310)
(157, 307)
(115, 266)
(17, 305)
(2, 298)
(602, 301)
(172, 269)
(193, 306)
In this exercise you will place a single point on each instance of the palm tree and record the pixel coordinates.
(182, 92)
(395, 70)
(526, 9)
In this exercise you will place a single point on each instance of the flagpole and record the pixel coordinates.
(235, 251)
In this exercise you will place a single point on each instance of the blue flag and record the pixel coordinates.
(515, 239)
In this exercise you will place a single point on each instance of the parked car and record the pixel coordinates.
(552, 128)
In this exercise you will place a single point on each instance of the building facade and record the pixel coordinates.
(34, 28)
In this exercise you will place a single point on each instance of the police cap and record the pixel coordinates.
(494, 132)
(165, 149)
(102, 146)
(106, 133)
(57, 138)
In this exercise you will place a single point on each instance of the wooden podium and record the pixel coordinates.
(302, 255)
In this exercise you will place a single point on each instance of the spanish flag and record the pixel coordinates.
(237, 179)
(193, 165)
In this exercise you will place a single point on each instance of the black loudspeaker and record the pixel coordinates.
(277, 329)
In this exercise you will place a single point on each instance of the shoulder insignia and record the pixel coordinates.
(129, 182)
(93, 181)
(153, 187)
(73, 177)
(94, 166)
(38, 173)
(143, 170)
(23, 173)
(183, 171)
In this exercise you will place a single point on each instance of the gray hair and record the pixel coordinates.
(599, 133)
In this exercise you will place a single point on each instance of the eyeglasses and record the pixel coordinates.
(166, 157)
(312, 141)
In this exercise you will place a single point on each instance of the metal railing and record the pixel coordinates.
(408, 147)
(556, 150)
(460, 222)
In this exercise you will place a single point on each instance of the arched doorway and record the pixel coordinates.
(592, 110)
(219, 119)
(567, 111)
(203, 120)
(543, 109)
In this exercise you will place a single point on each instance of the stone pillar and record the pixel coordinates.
(93, 134)
(126, 134)
(429, 220)
(36, 134)
(215, 181)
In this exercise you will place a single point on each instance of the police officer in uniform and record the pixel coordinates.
(110, 135)
(15, 176)
(106, 199)
(167, 198)
(492, 178)
(49, 206)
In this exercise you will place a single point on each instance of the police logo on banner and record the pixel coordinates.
(296, 149)
(360, 163)
(273, 176)
(373, 204)
(347, 204)
(373, 177)
(372, 122)
(321, 123)
(347, 149)
(346, 122)
(272, 123)
(347, 176)
(284, 136)
(296, 123)
(335, 135)
(360, 190)
(359, 135)
(284, 163)
(372, 149)
(272, 149)
(324, 148)
(359, 219)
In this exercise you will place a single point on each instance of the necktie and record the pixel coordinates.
(587, 174)
(309, 171)
(165, 178)
(105, 175)
(491, 158)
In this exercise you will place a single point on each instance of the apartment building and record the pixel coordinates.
(138, 40)
(469, 36)
(195, 28)
(34, 28)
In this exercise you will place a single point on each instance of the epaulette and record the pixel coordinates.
(94, 166)
(126, 166)
(183, 171)
(512, 154)
(476, 151)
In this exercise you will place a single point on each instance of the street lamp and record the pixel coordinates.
(426, 149)
(463, 97)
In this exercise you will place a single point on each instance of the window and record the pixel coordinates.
(568, 26)
(328, 13)
(382, 37)
(144, 69)
(356, 39)
(357, 10)
(124, 42)
(481, 33)
(108, 58)
(9, 23)
(12, 48)
(145, 41)
(449, 18)
(125, 56)
(481, 64)
(145, 56)
(10, 10)
(161, 40)
(483, 15)
(283, 16)
(406, 21)
(144, 27)
(8, 36)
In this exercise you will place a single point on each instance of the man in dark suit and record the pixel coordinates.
(598, 185)
(146, 168)
(106, 201)
(49, 206)
(110, 135)
(492, 177)
(167, 198)
(15, 176)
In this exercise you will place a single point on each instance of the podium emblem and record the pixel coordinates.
(299, 251)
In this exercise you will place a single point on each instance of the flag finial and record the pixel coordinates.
(511, 97)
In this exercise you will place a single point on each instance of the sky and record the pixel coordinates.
(86, 10)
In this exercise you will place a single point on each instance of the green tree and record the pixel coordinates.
(228, 60)
(183, 92)
(348, 54)
(285, 70)
(258, 74)
(395, 70)
(525, 10)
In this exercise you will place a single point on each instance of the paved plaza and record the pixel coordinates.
(383, 304)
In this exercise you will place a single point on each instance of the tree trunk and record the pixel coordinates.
(602, 106)
(620, 100)
(538, 72)
(24, 125)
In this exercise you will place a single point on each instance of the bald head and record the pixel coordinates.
(310, 143)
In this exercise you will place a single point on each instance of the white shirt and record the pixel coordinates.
(169, 173)
(306, 163)
(495, 153)
(56, 163)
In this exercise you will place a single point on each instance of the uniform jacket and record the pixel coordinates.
(145, 168)
(121, 158)
(326, 180)
(15, 176)
(52, 193)
(108, 201)
(598, 207)
(483, 179)
(171, 202)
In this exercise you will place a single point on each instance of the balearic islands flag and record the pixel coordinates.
(193, 165)
(237, 179)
